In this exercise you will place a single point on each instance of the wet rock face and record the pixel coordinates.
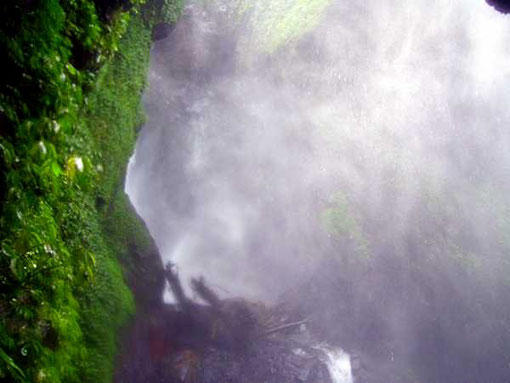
(502, 6)
(106, 8)
(169, 346)
(223, 340)
(268, 360)
(162, 31)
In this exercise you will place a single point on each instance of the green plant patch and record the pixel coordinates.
(69, 108)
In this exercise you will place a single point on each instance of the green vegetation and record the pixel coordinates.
(285, 21)
(167, 11)
(437, 226)
(340, 221)
(69, 106)
(275, 23)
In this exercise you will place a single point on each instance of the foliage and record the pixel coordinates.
(340, 221)
(69, 103)
(116, 102)
(274, 23)
(167, 11)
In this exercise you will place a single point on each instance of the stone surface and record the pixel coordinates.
(502, 6)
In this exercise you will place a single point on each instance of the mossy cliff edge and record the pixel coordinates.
(70, 242)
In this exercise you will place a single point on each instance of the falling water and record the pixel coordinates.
(370, 135)
(246, 147)
(339, 364)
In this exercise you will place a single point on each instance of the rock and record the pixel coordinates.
(225, 340)
(502, 6)
(162, 31)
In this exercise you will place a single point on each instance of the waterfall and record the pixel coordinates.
(338, 362)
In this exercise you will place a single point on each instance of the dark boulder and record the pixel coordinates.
(106, 8)
(502, 6)
(162, 31)
(223, 340)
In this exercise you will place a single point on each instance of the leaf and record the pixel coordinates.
(71, 69)
(8, 154)
(71, 168)
(10, 362)
(55, 168)
(12, 266)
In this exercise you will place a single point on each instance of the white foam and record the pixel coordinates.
(338, 362)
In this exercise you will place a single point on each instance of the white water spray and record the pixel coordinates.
(378, 137)
(338, 362)
(236, 164)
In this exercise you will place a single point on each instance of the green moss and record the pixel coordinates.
(283, 21)
(274, 23)
(114, 107)
(125, 229)
(340, 221)
(69, 108)
(167, 11)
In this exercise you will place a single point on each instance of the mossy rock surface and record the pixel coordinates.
(70, 240)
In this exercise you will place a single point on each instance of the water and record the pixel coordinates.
(390, 103)
(380, 136)
(339, 364)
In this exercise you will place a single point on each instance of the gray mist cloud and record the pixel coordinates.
(385, 102)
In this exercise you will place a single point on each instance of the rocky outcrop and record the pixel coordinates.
(502, 6)
(161, 31)
(221, 341)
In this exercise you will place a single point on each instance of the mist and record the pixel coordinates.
(350, 158)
